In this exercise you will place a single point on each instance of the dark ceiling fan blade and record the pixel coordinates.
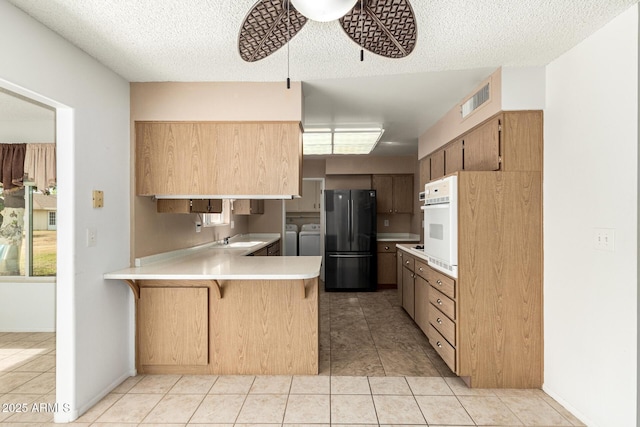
(267, 28)
(387, 27)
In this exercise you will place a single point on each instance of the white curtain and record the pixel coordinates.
(40, 165)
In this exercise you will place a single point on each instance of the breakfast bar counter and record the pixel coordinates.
(211, 310)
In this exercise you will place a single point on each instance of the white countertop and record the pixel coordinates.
(223, 262)
(411, 250)
(398, 237)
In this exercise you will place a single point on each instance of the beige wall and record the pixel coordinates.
(451, 124)
(270, 221)
(207, 101)
(348, 182)
(350, 165)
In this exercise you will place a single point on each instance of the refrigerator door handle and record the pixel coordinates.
(350, 256)
(351, 225)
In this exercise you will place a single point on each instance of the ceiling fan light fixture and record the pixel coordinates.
(323, 10)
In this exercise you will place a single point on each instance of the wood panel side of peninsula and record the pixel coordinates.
(228, 327)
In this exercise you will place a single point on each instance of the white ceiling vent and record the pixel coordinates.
(473, 103)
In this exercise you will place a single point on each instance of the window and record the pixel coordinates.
(215, 219)
(28, 236)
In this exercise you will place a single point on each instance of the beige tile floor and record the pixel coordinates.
(377, 369)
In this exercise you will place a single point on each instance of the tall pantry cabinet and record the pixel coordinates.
(488, 325)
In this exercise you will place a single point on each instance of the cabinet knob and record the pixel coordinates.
(421, 269)
(439, 301)
(406, 262)
(439, 344)
(439, 320)
(439, 282)
(386, 248)
(390, 210)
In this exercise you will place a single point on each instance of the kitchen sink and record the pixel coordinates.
(241, 244)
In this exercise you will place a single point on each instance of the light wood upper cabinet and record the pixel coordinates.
(248, 207)
(425, 171)
(189, 206)
(437, 164)
(482, 147)
(453, 157)
(383, 184)
(310, 200)
(511, 141)
(218, 158)
(394, 193)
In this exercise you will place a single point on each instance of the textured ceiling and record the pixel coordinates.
(196, 40)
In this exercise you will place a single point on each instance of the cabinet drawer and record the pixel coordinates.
(443, 324)
(408, 262)
(386, 247)
(421, 269)
(443, 283)
(443, 302)
(444, 349)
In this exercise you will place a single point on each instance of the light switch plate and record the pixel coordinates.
(604, 239)
(98, 199)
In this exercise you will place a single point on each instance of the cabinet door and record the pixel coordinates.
(403, 197)
(310, 201)
(408, 291)
(200, 158)
(386, 268)
(383, 184)
(422, 303)
(166, 338)
(399, 271)
(482, 147)
(425, 172)
(437, 164)
(453, 157)
(248, 207)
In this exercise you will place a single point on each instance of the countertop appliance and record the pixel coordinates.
(350, 240)
(441, 224)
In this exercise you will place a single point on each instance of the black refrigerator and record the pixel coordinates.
(350, 240)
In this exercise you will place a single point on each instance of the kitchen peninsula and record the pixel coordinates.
(214, 310)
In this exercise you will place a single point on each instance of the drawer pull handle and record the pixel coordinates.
(439, 301)
(439, 282)
(439, 344)
(439, 320)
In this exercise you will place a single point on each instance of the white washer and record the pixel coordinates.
(291, 240)
(309, 240)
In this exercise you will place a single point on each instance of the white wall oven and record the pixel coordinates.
(441, 224)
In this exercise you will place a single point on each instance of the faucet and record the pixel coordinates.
(226, 240)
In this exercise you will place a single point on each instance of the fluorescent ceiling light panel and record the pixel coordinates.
(355, 142)
(316, 143)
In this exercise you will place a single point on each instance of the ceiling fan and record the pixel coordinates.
(385, 27)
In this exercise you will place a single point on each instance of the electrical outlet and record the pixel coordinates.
(604, 239)
(198, 228)
(92, 237)
(232, 225)
(386, 222)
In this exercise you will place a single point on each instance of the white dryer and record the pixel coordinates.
(309, 240)
(291, 240)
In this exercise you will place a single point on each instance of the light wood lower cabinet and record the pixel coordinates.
(408, 289)
(227, 327)
(173, 325)
(387, 261)
(486, 324)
